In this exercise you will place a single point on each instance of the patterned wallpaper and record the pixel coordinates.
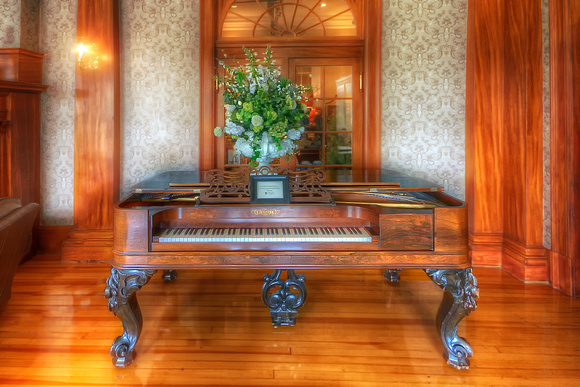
(160, 90)
(423, 90)
(29, 29)
(546, 123)
(9, 23)
(57, 40)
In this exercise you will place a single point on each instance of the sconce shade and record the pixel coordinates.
(88, 56)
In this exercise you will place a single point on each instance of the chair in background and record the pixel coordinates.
(16, 224)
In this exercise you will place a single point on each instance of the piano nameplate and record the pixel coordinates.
(265, 211)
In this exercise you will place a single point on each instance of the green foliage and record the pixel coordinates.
(258, 99)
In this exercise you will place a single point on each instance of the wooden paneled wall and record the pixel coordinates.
(97, 134)
(484, 121)
(523, 251)
(565, 144)
(207, 55)
(504, 136)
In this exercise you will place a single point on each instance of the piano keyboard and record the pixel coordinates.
(266, 234)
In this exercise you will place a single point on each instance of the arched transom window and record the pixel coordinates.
(290, 18)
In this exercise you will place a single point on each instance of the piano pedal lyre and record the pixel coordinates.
(284, 297)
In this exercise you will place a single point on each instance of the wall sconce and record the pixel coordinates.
(88, 56)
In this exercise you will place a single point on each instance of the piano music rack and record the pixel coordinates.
(234, 186)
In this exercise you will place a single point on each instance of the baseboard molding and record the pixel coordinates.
(486, 249)
(51, 238)
(527, 263)
(88, 246)
(561, 268)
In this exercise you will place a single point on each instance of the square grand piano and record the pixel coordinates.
(346, 219)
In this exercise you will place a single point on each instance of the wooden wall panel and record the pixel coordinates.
(484, 142)
(25, 153)
(574, 214)
(372, 21)
(207, 33)
(97, 133)
(524, 255)
(504, 136)
(565, 144)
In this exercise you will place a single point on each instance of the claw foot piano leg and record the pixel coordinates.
(169, 275)
(121, 288)
(392, 275)
(284, 297)
(460, 287)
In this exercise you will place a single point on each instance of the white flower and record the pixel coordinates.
(287, 146)
(293, 134)
(244, 147)
(233, 128)
(257, 120)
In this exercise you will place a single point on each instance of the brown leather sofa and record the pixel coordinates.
(16, 224)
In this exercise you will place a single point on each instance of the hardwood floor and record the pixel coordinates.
(211, 328)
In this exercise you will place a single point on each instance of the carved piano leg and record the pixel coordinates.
(121, 288)
(169, 275)
(460, 287)
(286, 299)
(392, 275)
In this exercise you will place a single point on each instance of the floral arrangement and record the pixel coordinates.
(263, 110)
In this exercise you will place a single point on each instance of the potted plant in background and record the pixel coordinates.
(264, 111)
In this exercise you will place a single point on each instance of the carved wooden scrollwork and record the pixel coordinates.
(226, 186)
(460, 287)
(306, 186)
(284, 297)
(234, 186)
(120, 290)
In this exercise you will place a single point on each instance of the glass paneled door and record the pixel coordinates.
(332, 139)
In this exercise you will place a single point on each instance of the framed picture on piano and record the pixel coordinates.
(269, 189)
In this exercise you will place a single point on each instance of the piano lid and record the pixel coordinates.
(193, 180)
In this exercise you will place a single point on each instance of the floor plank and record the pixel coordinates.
(210, 328)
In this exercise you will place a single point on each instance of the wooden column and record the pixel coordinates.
(523, 253)
(483, 132)
(207, 36)
(565, 144)
(97, 134)
(504, 136)
(372, 11)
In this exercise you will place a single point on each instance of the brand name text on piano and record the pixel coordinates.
(265, 211)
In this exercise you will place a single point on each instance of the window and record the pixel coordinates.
(295, 18)
(330, 140)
